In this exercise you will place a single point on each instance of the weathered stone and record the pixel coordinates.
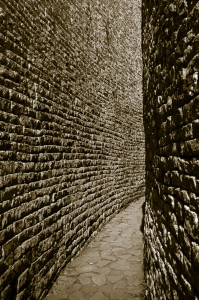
(71, 131)
(170, 59)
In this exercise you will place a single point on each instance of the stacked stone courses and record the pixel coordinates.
(171, 120)
(71, 133)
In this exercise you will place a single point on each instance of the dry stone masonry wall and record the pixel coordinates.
(171, 118)
(71, 135)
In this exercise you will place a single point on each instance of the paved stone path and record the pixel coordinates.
(111, 266)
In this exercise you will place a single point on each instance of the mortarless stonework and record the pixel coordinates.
(171, 120)
(71, 134)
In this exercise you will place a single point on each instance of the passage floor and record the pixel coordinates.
(111, 266)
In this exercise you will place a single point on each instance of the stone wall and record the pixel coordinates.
(71, 136)
(171, 118)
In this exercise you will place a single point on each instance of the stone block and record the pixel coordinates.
(6, 293)
(195, 255)
(191, 222)
(23, 280)
(8, 247)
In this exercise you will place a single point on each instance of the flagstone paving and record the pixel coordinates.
(110, 267)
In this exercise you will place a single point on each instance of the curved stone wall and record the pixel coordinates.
(71, 136)
(171, 118)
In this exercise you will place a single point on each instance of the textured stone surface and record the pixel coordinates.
(171, 116)
(111, 266)
(71, 134)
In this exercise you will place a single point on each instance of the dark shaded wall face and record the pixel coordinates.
(72, 143)
(171, 120)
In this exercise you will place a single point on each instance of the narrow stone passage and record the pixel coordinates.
(111, 266)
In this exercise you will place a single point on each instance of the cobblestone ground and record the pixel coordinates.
(111, 266)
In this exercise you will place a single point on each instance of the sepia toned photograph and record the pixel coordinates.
(99, 150)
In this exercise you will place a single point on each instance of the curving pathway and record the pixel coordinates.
(111, 266)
